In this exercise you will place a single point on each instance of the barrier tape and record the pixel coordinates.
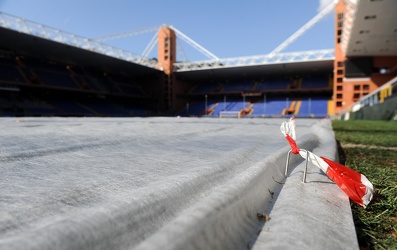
(354, 184)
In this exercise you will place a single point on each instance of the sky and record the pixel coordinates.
(233, 28)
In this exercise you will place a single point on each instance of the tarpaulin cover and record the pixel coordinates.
(155, 183)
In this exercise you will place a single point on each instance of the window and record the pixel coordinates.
(356, 96)
(339, 79)
(366, 87)
(340, 15)
(339, 96)
(339, 71)
(340, 64)
(339, 104)
(364, 32)
(339, 40)
(166, 58)
(339, 87)
(340, 24)
(370, 17)
(339, 32)
(357, 87)
(384, 70)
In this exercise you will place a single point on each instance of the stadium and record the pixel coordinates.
(106, 149)
(46, 72)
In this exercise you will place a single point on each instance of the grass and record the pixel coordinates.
(379, 133)
(376, 226)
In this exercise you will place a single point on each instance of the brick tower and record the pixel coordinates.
(166, 60)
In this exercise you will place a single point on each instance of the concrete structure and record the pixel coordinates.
(365, 49)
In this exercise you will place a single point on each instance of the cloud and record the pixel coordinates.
(323, 4)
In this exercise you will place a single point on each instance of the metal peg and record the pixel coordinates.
(305, 171)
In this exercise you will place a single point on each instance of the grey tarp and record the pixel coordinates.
(117, 183)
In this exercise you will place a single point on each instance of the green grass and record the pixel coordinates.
(376, 225)
(379, 133)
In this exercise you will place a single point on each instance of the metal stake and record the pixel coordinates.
(305, 171)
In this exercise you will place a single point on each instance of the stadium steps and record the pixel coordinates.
(78, 80)
(116, 86)
(28, 74)
(81, 82)
(247, 111)
(211, 109)
(297, 107)
(293, 108)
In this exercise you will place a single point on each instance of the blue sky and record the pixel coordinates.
(231, 28)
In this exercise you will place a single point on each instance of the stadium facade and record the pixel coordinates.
(45, 72)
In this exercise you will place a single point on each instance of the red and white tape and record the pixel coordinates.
(355, 185)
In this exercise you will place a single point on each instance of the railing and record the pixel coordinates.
(371, 99)
(39, 30)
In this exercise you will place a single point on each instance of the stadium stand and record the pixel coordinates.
(273, 107)
(77, 82)
(238, 86)
(55, 79)
(35, 87)
(193, 109)
(209, 87)
(303, 95)
(9, 72)
(310, 82)
(273, 84)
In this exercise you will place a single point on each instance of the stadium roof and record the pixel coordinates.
(29, 45)
(370, 28)
(259, 70)
(22, 43)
